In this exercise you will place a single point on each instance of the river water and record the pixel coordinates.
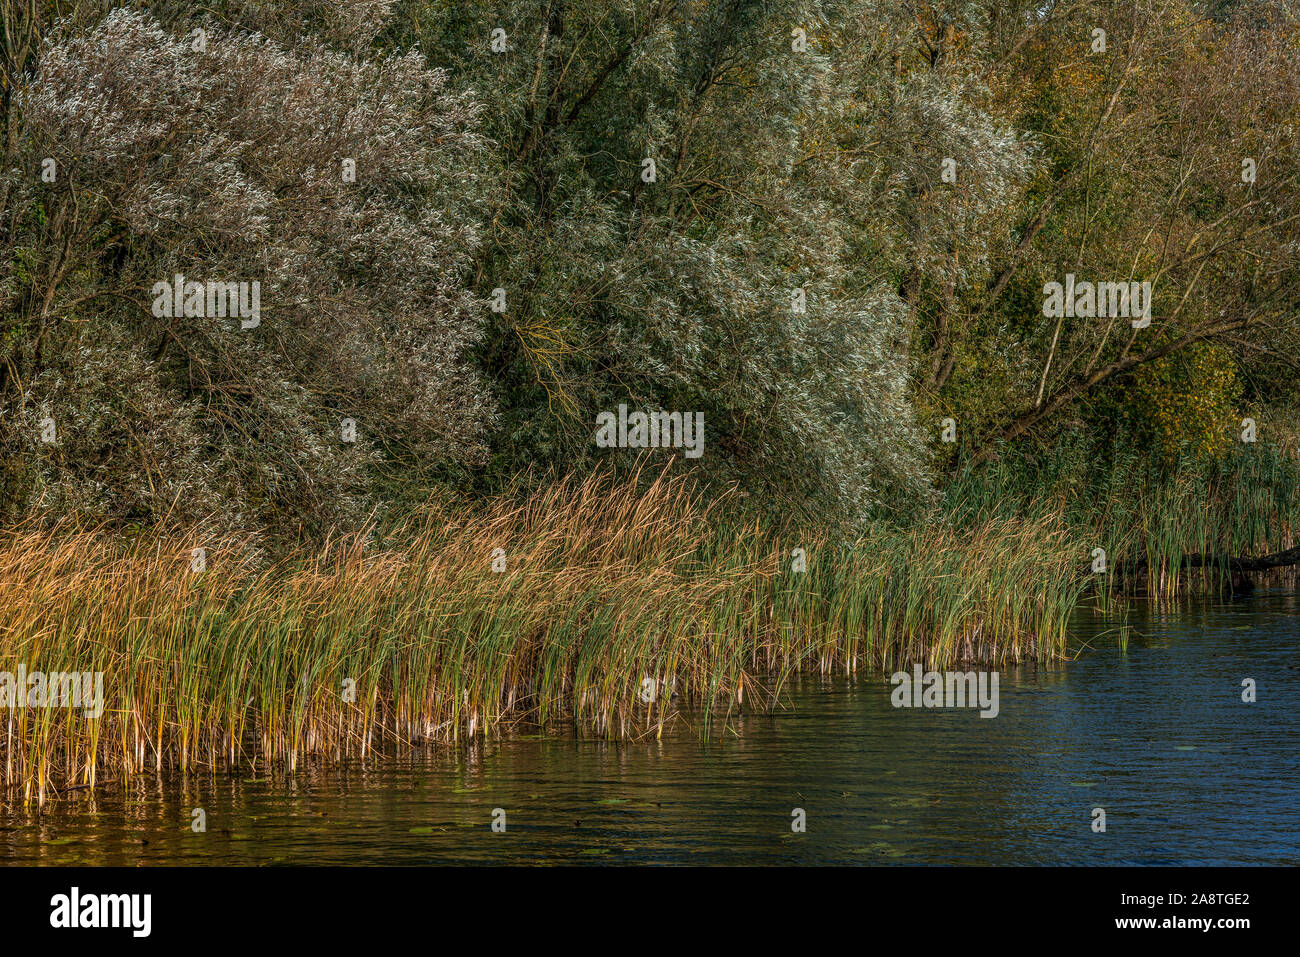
(1157, 736)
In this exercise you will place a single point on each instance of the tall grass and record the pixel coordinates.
(1147, 514)
(610, 590)
(617, 602)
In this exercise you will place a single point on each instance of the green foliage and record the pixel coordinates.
(1138, 503)
(676, 294)
(917, 172)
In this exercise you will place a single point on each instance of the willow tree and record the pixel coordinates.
(677, 224)
(344, 188)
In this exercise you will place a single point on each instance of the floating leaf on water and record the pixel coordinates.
(879, 848)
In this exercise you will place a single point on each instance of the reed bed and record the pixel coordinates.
(1145, 513)
(609, 605)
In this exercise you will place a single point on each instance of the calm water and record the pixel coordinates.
(1159, 737)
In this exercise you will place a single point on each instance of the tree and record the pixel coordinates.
(1170, 159)
(679, 291)
(344, 188)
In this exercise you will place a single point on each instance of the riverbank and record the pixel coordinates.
(1156, 735)
(597, 605)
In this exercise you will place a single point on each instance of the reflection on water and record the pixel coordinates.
(1159, 737)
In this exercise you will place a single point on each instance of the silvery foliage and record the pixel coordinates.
(815, 400)
(225, 165)
(933, 118)
(677, 293)
(920, 110)
(885, 127)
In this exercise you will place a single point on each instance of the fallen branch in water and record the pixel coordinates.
(1282, 559)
